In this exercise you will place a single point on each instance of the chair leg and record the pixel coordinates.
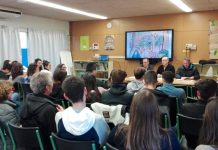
(52, 142)
(39, 140)
(11, 137)
(3, 139)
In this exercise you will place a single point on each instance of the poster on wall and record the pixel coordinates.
(109, 42)
(213, 39)
(84, 43)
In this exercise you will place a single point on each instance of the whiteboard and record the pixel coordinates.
(66, 58)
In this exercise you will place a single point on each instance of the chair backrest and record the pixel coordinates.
(173, 106)
(191, 100)
(110, 147)
(190, 127)
(63, 144)
(25, 137)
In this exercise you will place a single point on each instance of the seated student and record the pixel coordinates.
(118, 93)
(91, 69)
(165, 66)
(7, 108)
(170, 89)
(150, 81)
(46, 65)
(146, 64)
(143, 131)
(205, 90)
(187, 71)
(38, 62)
(6, 70)
(78, 122)
(93, 92)
(58, 76)
(39, 110)
(137, 83)
(208, 138)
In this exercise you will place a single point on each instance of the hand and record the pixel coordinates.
(191, 78)
(59, 108)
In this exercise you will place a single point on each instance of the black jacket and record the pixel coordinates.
(195, 110)
(191, 71)
(169, 67)
(117, 94)
(39, 111)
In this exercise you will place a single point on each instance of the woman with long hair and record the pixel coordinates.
(144, 131)
(209, 132)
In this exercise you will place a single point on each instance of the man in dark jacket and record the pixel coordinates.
(166, 66)
(118, 93)
(187, 71)
(205, 90)
(39, 110)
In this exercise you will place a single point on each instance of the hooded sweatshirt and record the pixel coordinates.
(81, 125)
(135, 86)
(117, 94)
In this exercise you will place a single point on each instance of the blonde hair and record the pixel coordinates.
(5, 87)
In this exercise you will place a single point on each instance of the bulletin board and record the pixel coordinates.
(213, 39)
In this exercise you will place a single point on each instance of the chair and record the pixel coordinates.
(25, 137)
(191, 100)
(198, 67)
(63, 144)
(173, 106)
(109, 147)
(190, 127)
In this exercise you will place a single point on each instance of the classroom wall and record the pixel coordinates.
(188, 28)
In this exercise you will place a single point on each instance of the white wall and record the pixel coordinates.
(27, 21)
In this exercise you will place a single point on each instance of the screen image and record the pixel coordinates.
(149, 44)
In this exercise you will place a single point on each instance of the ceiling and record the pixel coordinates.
(108, 8)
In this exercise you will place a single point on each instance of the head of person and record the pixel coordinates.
(168, 76)
(144, 122)
(38, 62)
(59, 75)
(31, 69)
(118, 76)
(206, 89)
(41, 83)
(7, 66)
(46, 65)
(61, 66)
(186, 62)
(165, 61)
(6, 87)
(145, 62)
(90, 82)
(74, 89)
(209, 130)
(16, 70)
(139, 73)
(150, 78)
(91, 68)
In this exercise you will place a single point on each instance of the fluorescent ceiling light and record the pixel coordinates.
(181, 5)
(64, 8)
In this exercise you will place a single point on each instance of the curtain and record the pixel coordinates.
(9, 44)
(46, 45)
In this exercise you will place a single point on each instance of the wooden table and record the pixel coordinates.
(175, 82)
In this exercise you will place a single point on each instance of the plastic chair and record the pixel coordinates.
(190, 127)
(3, 140)
(191, 100)
(25, 137)
(64, 144)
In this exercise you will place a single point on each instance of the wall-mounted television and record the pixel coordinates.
(153, 44)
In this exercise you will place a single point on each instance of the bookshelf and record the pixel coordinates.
(104, 68)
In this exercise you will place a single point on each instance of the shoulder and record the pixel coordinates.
(204, 147)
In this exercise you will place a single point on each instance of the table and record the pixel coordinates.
(175, 82)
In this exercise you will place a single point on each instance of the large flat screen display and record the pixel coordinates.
(153, 44)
